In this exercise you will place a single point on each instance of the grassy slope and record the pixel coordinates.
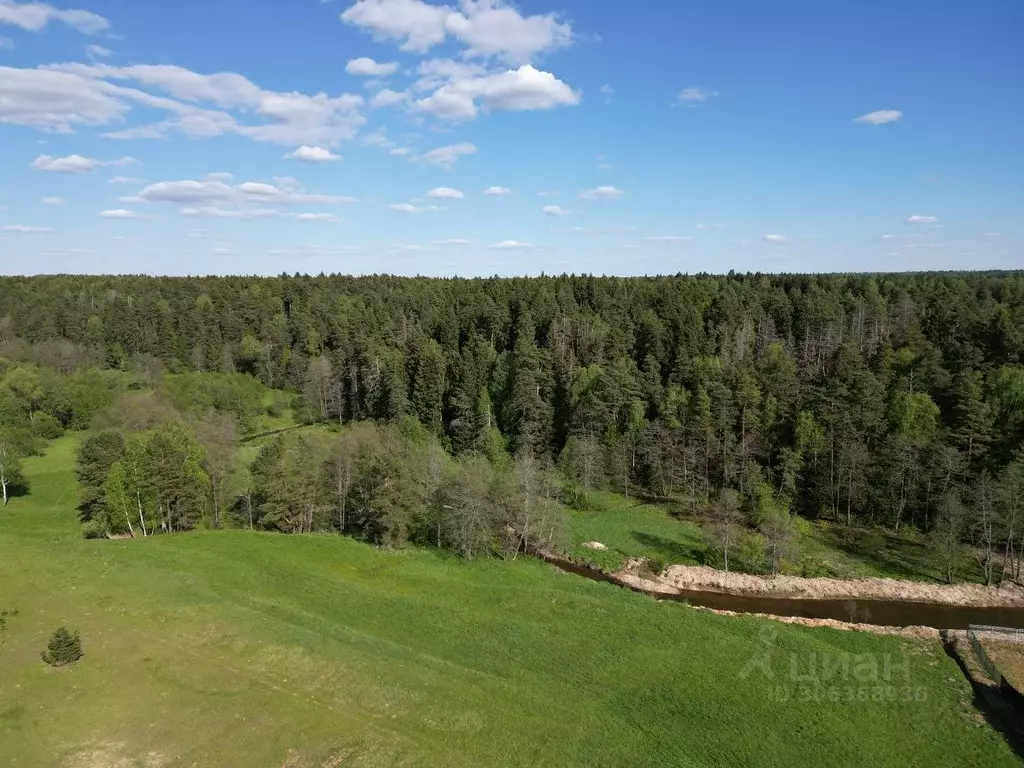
(247, 649)
(631, 528)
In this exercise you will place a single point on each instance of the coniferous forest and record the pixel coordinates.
(868, 400)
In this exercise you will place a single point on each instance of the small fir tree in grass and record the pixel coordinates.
(64, 648)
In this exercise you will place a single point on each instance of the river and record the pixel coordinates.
(889, 613)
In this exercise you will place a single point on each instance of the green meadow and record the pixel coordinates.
(236, 648)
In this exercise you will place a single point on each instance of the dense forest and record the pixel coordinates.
(888, 400)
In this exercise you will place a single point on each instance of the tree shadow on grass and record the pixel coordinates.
(896, 557)
(1003, 716)
(668, 550)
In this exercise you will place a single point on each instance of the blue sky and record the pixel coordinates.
(481, 137)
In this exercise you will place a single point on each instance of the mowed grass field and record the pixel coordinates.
(247, 649)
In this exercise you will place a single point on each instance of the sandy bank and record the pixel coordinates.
(678, 578)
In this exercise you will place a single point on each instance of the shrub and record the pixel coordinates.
(653, 566)
(64, 648)
(93, 529)
(46, 426)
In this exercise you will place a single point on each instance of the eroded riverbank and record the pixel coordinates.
(681, 578)
(892, 614)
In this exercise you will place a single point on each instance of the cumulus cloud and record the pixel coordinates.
(35, 17)
(125, 180)
(58, 97)
(601, 193)
(776, 239)
(53, 201)
(405, 208)
(514, 90)
(313, 155)
(919, 219)
(98, 52)
(76, 163)
(122, 213)
(881, 117)
(695, 95)
(400, 151)
(497, 191)
(215, 199)
(446, 157)
(388, 98)
(555, 210)
(371, 68)
(26, 230)
(445, 193)
(486, 28)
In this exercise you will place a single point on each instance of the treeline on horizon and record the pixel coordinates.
(892, 400)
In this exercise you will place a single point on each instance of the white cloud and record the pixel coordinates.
(601, 193)
(400, 151)
(125, 180)
(417, 25)
(493, 28)
(250, 200)
(446, 157)
(76, 163)
(55, 101)
(514, 90)
(405, 208)
(313, 155)
(555, 210)
(122, 213)
(710, 226)
(881, 117)
(35, 17)
(220, 176)
(667, 239)
(388, 98)
(776, 239)
(215, 212)
(371, 68)
(607, 92)
(696, 95)
(6, 44)
(453, 241)
(497, 191)
(511, 245)
(26, 230)
(98, 52)
(605, 167)
(324, 217)
(377, 139)
(485, 27)
(919, 219)
(53, 201)
(58, 97)
(445, 193)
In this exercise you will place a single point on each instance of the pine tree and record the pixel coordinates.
(64, 648)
